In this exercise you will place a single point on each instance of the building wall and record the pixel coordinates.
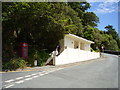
(72, 43)
(87, 47)
(69, 42)
(71, 55)
(82, 47)
(76, 44)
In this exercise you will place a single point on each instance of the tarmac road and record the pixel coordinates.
(99, 73)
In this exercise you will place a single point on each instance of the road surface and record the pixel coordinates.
(99, 73)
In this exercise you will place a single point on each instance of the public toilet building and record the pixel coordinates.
(74, 49)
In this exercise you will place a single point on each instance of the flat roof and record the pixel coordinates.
(78, 38)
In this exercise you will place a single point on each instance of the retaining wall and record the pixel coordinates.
(70, 55)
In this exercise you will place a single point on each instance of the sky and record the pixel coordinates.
(107, 11)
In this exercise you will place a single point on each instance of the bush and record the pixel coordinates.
(43, 56)
(14, 64)
(33, 55)
(40, 56)
(97, 50)
(92, 50)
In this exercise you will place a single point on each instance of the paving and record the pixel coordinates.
(49, 67)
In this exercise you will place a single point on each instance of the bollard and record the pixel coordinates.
(35, 63)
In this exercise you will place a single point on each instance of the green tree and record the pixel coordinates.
(39, 24)
(112, 31)
(43, 24)
(88, 18)
(88, 33)
(83, 6)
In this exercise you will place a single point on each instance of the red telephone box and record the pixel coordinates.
(23, 50)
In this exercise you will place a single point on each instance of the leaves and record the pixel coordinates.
(42, 25)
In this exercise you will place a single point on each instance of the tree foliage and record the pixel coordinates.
(43, 24)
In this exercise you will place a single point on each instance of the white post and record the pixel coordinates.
(35, 62)
(54, 56)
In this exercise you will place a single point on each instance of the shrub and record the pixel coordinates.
(40, 56)
(34, 55)
(43, 56)
(92, 50)
(14, 64)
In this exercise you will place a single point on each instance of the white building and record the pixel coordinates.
(74, 49)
